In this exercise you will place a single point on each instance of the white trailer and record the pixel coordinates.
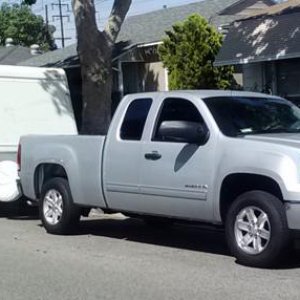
(32, 101)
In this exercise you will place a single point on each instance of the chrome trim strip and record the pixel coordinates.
(153, 191)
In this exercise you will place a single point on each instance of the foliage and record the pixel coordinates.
(29, 2)
(25, 28)
(189, 51)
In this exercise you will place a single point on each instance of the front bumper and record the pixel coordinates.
(293, 215)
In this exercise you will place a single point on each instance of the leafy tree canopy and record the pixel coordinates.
(29, 2)
(25, 28)
(189, 51)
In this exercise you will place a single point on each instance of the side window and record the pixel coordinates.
(176, 109)
(135, 119)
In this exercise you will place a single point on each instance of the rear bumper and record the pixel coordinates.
(293, 215)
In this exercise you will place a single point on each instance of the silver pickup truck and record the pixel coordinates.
(220, 157)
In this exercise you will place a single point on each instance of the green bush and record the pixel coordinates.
(189, 51)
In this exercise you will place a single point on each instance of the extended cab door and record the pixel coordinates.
(123, 155)
(177, 178)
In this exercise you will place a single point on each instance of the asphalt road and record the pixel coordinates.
(112, 257)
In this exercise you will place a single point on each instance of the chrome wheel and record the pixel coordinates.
(252, 230)
(53, 207)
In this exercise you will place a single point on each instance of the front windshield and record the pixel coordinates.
(237, 116)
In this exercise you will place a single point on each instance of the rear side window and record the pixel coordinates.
(135, 118)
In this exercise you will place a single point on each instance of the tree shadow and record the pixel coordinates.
(151, 79)
(57, 88)
(262, 38)
(141, 76)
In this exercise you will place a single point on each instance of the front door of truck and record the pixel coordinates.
(176, 177)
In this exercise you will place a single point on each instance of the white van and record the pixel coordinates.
(32, 101)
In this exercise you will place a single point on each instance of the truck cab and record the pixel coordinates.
(172, 176)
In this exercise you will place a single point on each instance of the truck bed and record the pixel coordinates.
(80, 155)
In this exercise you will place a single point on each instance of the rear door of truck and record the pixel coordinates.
(123, 154)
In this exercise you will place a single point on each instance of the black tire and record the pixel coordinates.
(70, 214)
(276, 226)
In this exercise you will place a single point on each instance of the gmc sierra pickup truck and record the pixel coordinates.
(220, 157)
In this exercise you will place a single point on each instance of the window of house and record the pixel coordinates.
(176, 109)
(135, 119)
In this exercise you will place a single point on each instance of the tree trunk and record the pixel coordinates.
(96, 73)
(95, 53)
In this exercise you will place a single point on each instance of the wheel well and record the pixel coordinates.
(237, 184)
(44, 172)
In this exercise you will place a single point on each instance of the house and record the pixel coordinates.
(140, 68)
(267, 47)
(137, 65)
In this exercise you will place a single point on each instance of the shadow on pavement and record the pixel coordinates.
(18, 210)
(189, 237)
(181, 236)
(292, 261)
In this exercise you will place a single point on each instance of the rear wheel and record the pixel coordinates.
(58, 213)
(256, 229)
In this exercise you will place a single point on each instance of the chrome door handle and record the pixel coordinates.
(153, 155)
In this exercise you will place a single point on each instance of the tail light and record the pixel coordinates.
(19, 157)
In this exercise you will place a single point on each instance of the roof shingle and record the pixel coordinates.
(14, 54)
(266, 38)
(151, 27)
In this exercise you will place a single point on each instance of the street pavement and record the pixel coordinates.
(113, 257)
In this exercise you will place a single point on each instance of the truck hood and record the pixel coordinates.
(284, 139)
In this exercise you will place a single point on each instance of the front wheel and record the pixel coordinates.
(256, 229)
(58, 213)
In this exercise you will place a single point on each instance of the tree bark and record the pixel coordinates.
(95, 52)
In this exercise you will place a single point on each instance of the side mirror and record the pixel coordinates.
(183, 132)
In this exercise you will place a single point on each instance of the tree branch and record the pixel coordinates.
(116, 18)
